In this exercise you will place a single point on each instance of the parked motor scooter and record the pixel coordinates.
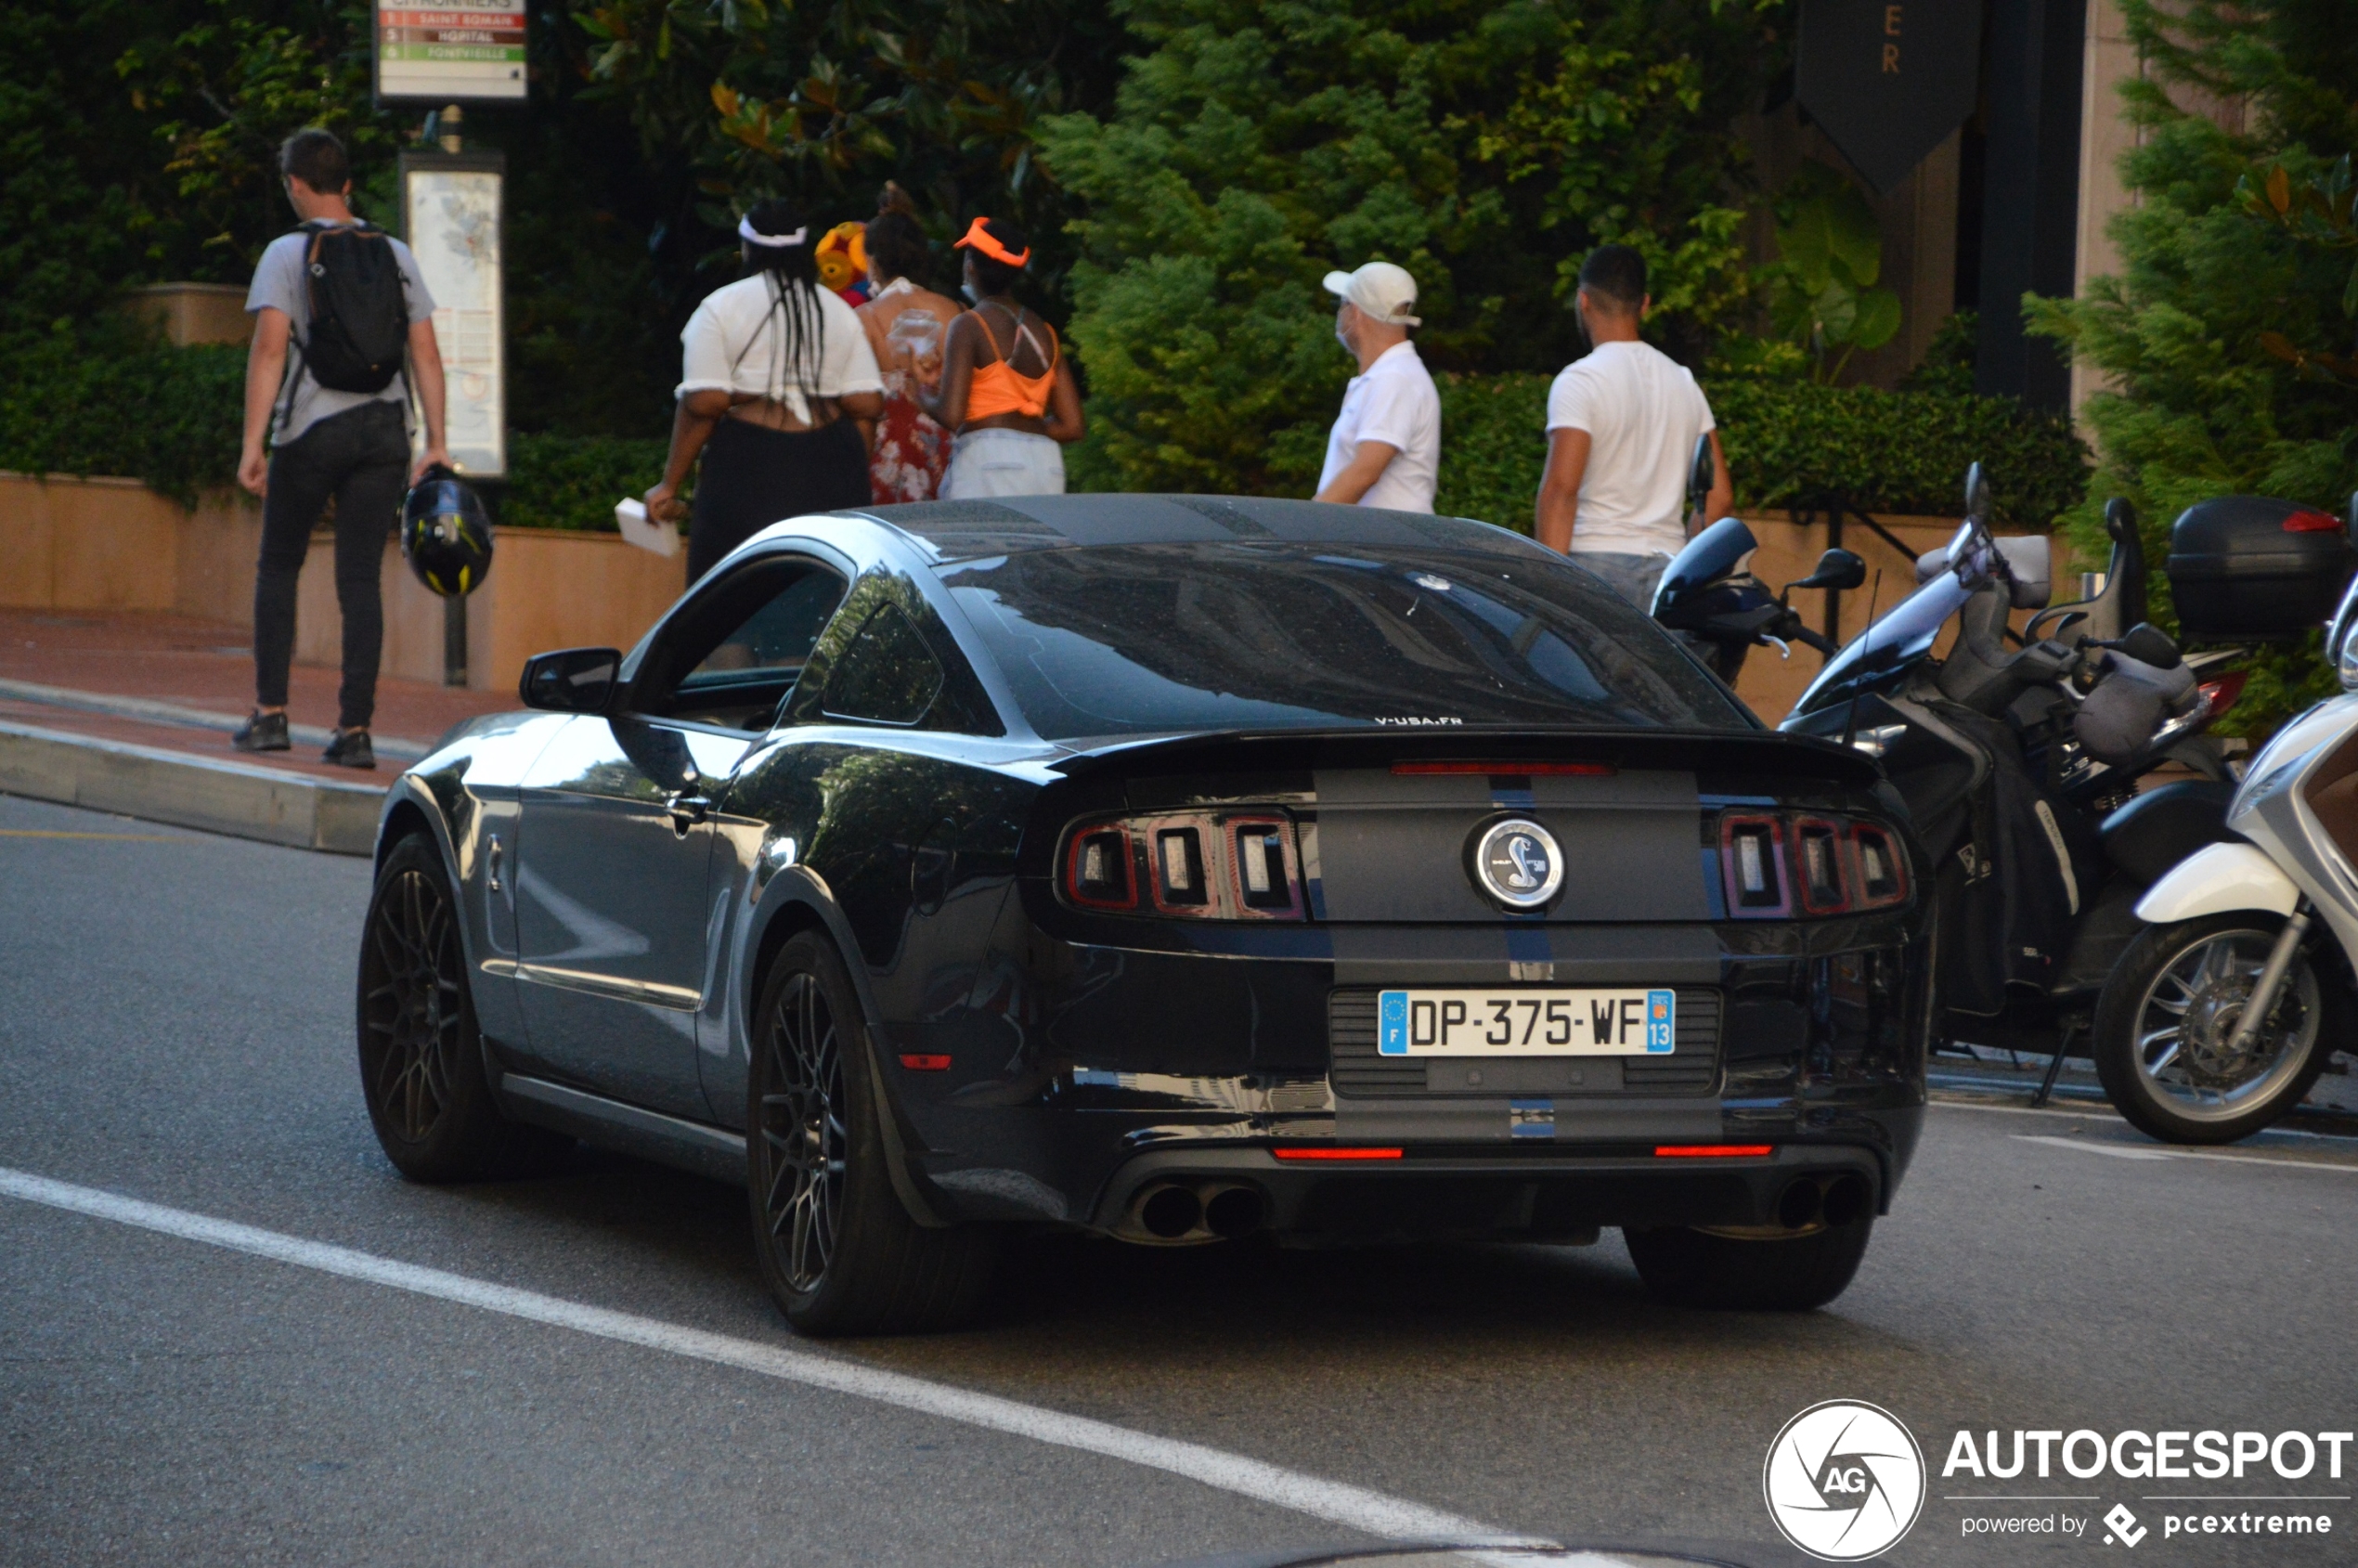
(2019, 766)
(2223, 1010)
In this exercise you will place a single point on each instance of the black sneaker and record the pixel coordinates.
(350, 748)
(263, 732)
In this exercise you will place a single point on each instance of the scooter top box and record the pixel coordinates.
(2255, 568)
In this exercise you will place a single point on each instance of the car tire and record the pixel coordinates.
(1700, 1269)
(421, 1058)
(837, 1246)
(2134, 989)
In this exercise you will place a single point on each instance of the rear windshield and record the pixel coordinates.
(1142, 639)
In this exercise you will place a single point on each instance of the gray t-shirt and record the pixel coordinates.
(279, 283)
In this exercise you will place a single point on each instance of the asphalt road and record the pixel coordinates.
(174, 1027)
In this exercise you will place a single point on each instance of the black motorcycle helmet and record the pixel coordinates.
(445, 532)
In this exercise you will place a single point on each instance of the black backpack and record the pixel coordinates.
(359, 307)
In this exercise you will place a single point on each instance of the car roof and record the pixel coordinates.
(970, 529)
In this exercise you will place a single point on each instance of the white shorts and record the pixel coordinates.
(1002, 462)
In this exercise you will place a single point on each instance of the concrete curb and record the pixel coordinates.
(149, 711)
(172, 787)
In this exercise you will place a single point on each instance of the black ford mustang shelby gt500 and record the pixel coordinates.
(1168, 867)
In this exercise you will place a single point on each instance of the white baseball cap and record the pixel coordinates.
(1383, 291)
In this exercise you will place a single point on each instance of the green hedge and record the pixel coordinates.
(114, 403)
(1885, 452)
(119, 405)
(573, 481)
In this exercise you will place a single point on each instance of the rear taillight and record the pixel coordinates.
(1752, 864)
(1883, 871)
(1824, 889)
(1774, 867)
(2223, 692)
(2309, 522)
(1098, 874)
(1204, 865)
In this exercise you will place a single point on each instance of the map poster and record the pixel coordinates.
(450, 54)
(450, 207)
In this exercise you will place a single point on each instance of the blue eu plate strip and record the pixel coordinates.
(1391, 1024)
(1662, 1022)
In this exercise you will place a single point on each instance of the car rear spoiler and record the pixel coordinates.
(1769, 753)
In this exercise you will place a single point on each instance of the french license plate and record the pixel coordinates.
(1470, 1022)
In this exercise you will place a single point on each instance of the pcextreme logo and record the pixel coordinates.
(1844, 1480)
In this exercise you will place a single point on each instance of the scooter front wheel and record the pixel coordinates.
(2166, 1025)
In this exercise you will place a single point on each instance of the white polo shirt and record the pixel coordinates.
(1643, 412)
(1396, 403)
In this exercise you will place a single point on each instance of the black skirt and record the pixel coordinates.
(753, 476)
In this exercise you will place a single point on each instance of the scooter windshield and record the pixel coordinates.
(1899, 639)
(1908, 633)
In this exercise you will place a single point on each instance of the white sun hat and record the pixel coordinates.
(1382, 291)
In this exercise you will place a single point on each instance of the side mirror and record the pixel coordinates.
(2147, 644)
(1836, 569)
(1977, 495)
(571, 679)
(1702, 471)
(2120, 518)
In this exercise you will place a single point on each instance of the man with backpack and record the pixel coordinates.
(349, 300)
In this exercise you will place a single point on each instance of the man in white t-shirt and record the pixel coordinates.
(1622, 426)
(1385, 448)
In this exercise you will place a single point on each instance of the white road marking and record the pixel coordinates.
(1352, 1506)
(2117, 1151)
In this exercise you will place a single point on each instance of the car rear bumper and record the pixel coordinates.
(1439, 1191)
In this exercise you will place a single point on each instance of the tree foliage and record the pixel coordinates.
(1486, 145)
(2191, 334)
(1821, 287)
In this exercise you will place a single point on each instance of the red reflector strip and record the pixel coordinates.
(2311, 522)
(1714, 1151)
(1336, 1153)
(925, 1063)
(1520, 769)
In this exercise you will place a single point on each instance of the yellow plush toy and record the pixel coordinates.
(843, 261)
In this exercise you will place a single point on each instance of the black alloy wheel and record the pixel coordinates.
(802, 1130)
(422, 1068)
(837, 1246)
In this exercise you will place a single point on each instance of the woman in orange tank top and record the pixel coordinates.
(1005, 387)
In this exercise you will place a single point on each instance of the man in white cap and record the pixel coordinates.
(1385, 449)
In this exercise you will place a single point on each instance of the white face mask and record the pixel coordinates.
(1342, 336)
(973, 296)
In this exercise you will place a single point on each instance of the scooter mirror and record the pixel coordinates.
(2120, 518)
(1703, 469)
(1836, 569)
(1977, 495)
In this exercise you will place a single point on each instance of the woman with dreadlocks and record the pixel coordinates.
(778, 386)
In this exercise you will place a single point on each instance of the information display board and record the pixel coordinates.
(450, 54)
(451, 217)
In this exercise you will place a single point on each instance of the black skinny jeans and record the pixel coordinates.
(362, 458)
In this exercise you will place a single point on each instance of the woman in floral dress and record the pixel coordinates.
(905, 323)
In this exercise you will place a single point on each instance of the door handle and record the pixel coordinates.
(686, 811)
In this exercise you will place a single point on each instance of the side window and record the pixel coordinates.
(887, 675)
(732, 659)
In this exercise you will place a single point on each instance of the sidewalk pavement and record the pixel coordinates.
(130, 711)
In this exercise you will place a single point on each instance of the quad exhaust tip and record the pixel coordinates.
(1178, 1212)
(1812, 1200)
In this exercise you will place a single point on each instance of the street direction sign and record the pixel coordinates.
(449, 54)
